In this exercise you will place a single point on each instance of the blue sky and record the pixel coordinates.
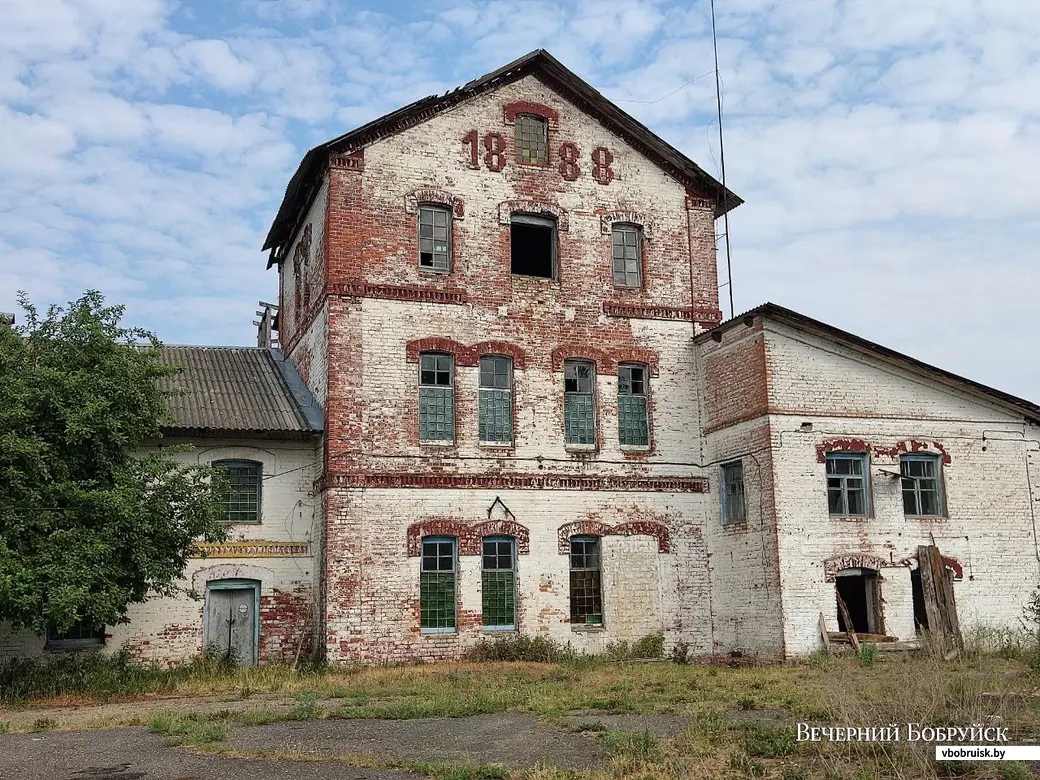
(888, 150)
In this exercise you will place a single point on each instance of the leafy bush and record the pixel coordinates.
(650, 646)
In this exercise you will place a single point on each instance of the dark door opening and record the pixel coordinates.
(920, 611)
(861, 594)
(532, 246)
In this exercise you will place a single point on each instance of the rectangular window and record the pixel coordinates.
(579, 402)
(437, 586)
(847, 484)
(434, 238)
(532, 246)
(922, 489)
(436, 398)
(627, 256)
(495, 401)
(498, 583)
(734, 509)
(586, 591)
(242, 499)
(532, 141)
(80, 634)
(633, 423)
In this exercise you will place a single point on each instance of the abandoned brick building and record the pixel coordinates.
(508, 404)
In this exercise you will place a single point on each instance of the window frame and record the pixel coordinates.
(538, 220)
(484, 570)
(864, 476)
(482, 390)
(518, 123)
(444, 442)
(450, 260)
(454, 571)
(240, 463)
(597, 588)
(637, 230)
(940, 498)
(56, 641)
(591, 393)
(725, 470)
(645, 395)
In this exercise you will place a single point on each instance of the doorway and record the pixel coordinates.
(859, 592)
(231, 623)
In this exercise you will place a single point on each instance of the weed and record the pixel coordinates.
(594, 726)
(768, 741)
(742, 763)
(794, 773)
(43, 724)
(262, 717)
(650, 646)
(746, 703)
(306, 706)
(202, 732)
(681, 653)
(521, 648)
(460, 770)
(4, 727)
(631, 744)
(161, 722)
(1014, 770)
(818, 659)
(867, 654)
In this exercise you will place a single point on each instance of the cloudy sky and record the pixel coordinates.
(888, 150)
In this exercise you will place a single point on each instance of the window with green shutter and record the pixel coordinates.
(495, 400)
(579, 402)
(242, 496)
(437, 595)
(586, 590)
(498, 583)
(436, 398)
(633, 424)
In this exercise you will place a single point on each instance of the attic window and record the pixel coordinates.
(532, 246)
(532, 142)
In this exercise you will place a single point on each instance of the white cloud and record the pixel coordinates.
(887, 151)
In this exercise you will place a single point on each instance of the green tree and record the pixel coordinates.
(90, 520)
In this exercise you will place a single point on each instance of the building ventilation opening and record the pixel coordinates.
(859, 601)
(532, 246)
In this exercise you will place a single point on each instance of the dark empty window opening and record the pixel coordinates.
(532, 246)
(861, 593)
(920, 613)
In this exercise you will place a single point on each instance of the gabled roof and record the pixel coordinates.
(781, 314)
(538, 63)
(237, 391)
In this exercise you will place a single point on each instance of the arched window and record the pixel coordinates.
(243, 494)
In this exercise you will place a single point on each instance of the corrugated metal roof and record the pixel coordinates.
(237, 389)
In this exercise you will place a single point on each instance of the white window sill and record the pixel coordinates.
(499, 629)
(438, 631)
(436, 443)
(590, 628)
(643, 448)
(581, 447)
(436, 271)
(496, 445)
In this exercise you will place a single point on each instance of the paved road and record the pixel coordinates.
(134, 754)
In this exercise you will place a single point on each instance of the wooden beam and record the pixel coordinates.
(824, 634)
(850, 630)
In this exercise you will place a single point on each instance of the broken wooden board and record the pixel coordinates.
(841, 636)
(824, 633)
(849, 628)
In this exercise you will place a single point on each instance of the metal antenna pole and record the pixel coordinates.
(722, 159)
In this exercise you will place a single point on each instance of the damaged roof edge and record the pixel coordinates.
(306, 401)
(538, 61)
(1030, 410)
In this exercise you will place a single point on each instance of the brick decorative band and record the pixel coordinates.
(465, 355)
(470, 535)
(398, 293)
(607, 221)
(517, 482)
(256, 549)
(596, 528)
(907, 447)
(705, 317)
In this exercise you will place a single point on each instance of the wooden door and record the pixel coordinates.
(939, 603)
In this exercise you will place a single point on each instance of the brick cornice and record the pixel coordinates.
(609, 483)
